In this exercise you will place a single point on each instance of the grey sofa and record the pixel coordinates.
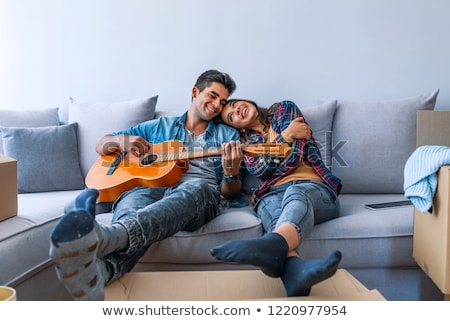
(365, 143)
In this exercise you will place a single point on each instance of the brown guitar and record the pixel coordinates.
(114, 174)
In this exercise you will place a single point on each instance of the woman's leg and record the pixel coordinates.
(288, 214)
(304, 205)
(267, 252)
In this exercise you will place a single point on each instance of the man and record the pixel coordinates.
(88, 255)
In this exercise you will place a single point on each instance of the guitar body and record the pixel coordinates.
(130, 172)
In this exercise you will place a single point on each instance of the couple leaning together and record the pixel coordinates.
(294, 194)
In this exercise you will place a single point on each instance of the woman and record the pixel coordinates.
(293, 195)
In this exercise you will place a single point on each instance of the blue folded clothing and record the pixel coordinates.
(420, 178)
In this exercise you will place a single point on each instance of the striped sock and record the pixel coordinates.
(75, 249)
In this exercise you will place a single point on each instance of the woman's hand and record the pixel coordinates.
(253, 199)
(298, 129)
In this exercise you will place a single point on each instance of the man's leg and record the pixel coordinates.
(185, 207)
(76, 241)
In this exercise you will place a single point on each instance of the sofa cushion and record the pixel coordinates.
(98, 119)
(372, 141)
(28, 118)
(194, 247)
(47, 157)
(366, 238)
(25, 238)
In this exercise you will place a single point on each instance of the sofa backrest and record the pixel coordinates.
(372, 141)
(366, 144)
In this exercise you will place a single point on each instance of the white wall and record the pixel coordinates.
(304, 50)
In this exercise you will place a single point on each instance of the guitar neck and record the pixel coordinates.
(191, 154)
(255, 149)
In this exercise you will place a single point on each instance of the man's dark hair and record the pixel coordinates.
(209, 76)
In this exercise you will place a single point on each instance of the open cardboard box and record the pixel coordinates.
(431, 240)
(229, 285)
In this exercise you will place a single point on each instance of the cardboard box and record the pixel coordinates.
(228, 285)
(8, 187)
(431, 240)
(433, 127)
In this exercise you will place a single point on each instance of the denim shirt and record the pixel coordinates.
(169, 128)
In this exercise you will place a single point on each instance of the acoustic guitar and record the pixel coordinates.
(114, 174)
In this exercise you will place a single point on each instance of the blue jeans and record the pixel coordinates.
(153, 214)
(300, 203)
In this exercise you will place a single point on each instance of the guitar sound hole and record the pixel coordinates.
(148, 160)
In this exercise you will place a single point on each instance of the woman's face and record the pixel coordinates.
(240, 114)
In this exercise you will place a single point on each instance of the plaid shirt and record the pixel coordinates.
(270, 169)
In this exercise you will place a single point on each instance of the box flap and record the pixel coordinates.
(228, 285)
